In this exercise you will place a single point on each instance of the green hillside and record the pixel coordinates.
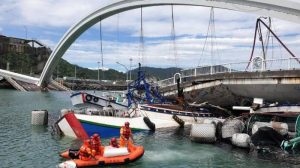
(64, 68)
(18, 56)
(24, 63)
(158, 73)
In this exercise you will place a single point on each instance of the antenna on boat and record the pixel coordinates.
(260, 22)
(140, 90)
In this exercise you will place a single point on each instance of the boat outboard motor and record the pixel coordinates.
(74, 154)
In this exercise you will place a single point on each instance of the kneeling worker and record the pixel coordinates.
(96, 144)
(85, 152)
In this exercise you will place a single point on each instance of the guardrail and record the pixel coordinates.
(17, 76)
(257, 64)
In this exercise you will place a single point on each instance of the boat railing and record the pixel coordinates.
(256, 65)
(166, 82)
(110, 112)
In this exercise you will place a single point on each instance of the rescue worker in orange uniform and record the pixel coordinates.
(85, 152)
(114, 143)
(96, 144)
(126, 138)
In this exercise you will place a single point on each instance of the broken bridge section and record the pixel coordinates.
(238, 88)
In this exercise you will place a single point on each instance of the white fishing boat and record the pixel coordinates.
(108, 122)
(146, 111)
(84, 99)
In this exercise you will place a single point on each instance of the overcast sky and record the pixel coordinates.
(48, 20)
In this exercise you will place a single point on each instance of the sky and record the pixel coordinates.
(48, 20)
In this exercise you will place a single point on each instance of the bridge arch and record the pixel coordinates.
(276, 8)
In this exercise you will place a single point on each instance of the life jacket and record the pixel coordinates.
(114, 144)
(96, 148)
(85, 153)
(95, 144)
(126, 132)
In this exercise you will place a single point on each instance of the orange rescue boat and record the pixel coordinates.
(110, 156)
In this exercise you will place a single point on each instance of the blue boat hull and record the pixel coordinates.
(104, 131)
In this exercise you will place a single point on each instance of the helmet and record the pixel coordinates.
(127, 123)
(113, 140)
(96, 135)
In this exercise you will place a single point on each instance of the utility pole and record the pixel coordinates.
(98, 70)
(125, 68)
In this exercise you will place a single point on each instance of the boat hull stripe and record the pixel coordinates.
(76, 126)
(107, 125)
(105, 131)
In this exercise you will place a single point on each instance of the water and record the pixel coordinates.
(24, 145)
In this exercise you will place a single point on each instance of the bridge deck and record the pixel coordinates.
(194, 80)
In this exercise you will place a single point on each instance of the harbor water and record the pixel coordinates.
(24, 145)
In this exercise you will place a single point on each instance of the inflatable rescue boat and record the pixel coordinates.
(110, 156)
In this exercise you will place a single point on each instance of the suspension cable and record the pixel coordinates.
(211, 37)
(254, 44)
(101, 47)
(206, 38)
(280, 47)
(141, 48)
(173, 34)
(261, 40)
(267, 38)
(215, 43)
(211, 32)
(118, 35)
